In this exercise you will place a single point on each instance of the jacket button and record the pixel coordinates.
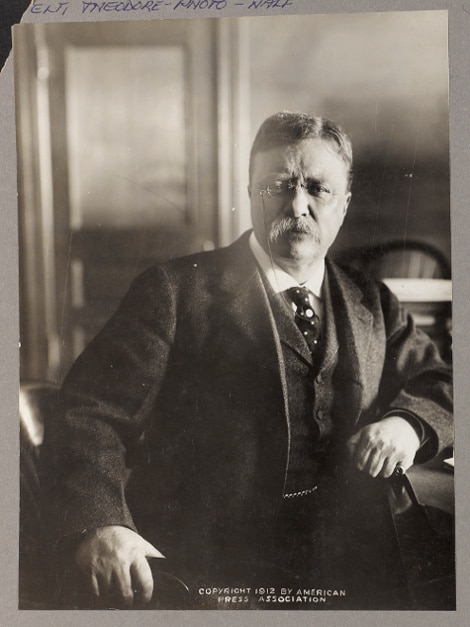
(321, 414)
(319, 378)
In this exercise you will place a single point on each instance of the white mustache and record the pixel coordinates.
(283, 226)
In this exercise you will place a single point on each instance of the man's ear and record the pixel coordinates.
(347, 200)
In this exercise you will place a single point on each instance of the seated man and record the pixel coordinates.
(224, 414)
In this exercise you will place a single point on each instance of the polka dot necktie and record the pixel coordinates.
(305, 316)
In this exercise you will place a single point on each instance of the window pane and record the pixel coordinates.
(126, 136)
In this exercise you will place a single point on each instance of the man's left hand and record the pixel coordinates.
(377, 448)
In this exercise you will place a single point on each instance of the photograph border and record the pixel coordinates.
(459, 48)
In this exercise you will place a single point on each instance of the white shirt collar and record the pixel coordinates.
(278, 278)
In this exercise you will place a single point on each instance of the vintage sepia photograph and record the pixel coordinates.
(235, 313)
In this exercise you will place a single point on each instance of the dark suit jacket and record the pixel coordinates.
(192, 358)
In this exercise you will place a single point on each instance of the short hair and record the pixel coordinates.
(286, 128)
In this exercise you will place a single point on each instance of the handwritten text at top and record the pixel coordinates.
(148, 6)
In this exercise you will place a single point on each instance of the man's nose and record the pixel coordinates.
(299, 204)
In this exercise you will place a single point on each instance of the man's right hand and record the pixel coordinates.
(113, 559)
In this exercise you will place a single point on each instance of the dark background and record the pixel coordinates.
(11, 12)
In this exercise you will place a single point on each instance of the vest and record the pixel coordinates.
(310, 395)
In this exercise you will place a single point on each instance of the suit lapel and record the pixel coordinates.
(243, 300)
(329, 331)
(353, 322)
(242, 297)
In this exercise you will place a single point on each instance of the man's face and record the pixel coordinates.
(299, 197)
